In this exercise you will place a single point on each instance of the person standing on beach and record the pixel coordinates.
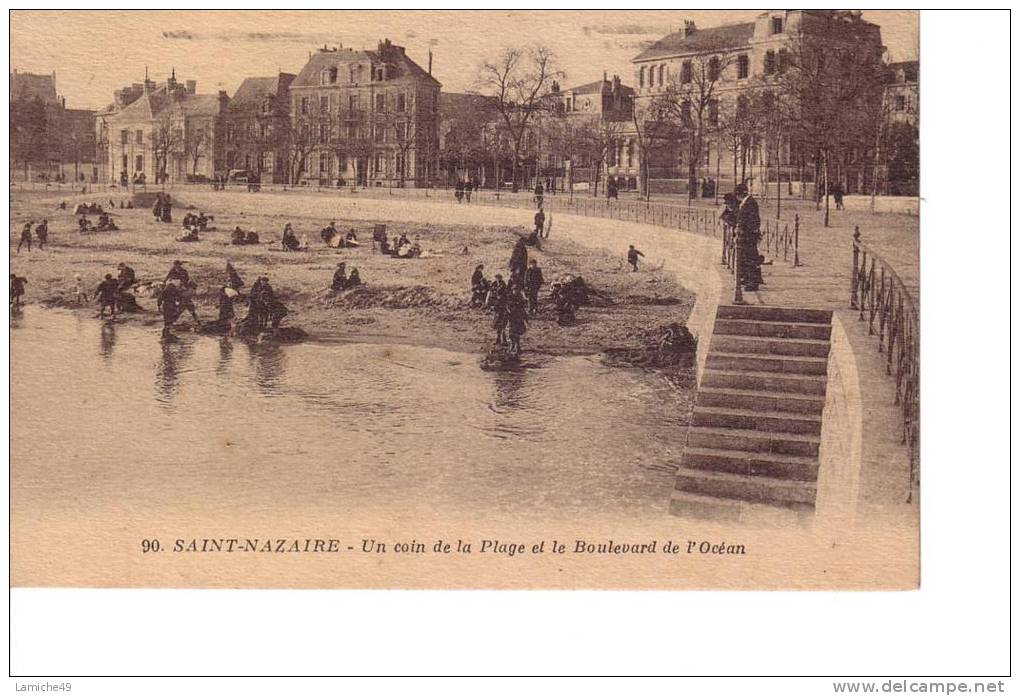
(519, 259)
(533, 281)
(517, 321)
(540, 222)
(107, 294)
(42, 234)
(17, 291)
(632, 257)
(26, 236)
(178, 272)
(169, 303)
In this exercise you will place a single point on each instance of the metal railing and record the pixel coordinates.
(882, 300)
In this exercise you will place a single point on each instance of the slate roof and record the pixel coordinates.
(323, 60)
(725, 37)
(597, 87)
(254, 89)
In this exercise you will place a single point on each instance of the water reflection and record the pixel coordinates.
(107, 340)
(509, 386)
(269, 361)
(415, 426)
(174, 353)
(226, 353)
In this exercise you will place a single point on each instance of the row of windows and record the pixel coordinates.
(399, 103)
(354, 74)
(774, 62)
(382, 162)
(380, 133)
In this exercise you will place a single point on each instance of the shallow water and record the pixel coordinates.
(107, 417)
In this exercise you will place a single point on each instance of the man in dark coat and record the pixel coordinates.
(26, 236)
(748, 232)
(42, 233)
(519, 258)
(170, 304)
(540, 221)
(107, 294)
(177, 272)
(533, 281)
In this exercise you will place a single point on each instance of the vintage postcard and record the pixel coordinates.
(464, 299)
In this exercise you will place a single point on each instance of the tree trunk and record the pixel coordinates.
(825, 177)
(779, 181)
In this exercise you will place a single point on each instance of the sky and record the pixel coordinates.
(97, 52)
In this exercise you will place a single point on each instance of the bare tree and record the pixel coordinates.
(827, 87)
(197, 143)
(689, 101)
(167, 141)
(304, 139)
(519, 79)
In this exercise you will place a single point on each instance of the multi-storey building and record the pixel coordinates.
(901, 93)
(713, 69)
(607, 105)
(47, 137)
(367, 117)
(162, 132)
(257, 128)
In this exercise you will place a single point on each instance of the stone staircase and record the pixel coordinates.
(755, 432)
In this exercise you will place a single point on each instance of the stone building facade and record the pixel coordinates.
(162, 131)
(734, 59)
(257, 128)
(368, 118)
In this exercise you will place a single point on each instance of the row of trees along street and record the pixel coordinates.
(820, 106)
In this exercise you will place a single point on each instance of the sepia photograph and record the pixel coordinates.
(508, 342)
(546, 299)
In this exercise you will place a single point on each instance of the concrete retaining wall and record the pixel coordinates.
(842, 438)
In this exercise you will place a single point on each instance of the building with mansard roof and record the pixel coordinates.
(367, 117)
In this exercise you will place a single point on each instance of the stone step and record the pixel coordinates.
(749, 419)
(754, 489)
(703, 507)
(753, 441)
(788, 314)
(770, 346)
(757, 362)
(760, 400)
(765, 381)
(780, 466)
(772, 329)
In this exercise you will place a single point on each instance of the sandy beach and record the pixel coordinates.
(421, 301)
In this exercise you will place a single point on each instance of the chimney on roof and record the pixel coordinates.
(689, 28)
(222, 97)
(430, 61)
